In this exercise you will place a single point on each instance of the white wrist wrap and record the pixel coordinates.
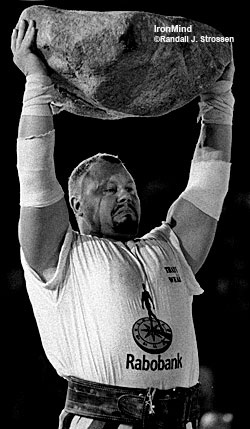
(38, 184)
(38, 95)
(207, 186)
(216, 106)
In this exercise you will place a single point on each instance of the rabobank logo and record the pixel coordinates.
(152, 335)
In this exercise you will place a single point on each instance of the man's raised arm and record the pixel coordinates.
(195, 214)
(44, 214)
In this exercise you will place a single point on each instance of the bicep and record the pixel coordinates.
(41, 233)
(194, 229)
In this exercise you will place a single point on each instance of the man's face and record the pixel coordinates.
(110, 202)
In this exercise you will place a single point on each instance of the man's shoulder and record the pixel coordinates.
(161, 232)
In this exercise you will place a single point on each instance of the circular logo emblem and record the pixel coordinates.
(152, 335)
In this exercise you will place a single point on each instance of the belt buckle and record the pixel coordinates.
(149, 400)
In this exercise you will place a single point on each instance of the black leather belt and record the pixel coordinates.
(144, 408)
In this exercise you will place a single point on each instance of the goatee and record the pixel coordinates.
(126, 226)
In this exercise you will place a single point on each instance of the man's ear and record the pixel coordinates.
(76, 206)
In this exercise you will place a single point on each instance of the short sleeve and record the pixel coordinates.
(32, 277)
(165, 235)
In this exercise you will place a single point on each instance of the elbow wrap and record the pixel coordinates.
(38, 184)
(208, 185)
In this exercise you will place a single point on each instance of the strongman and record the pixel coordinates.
(125, 368)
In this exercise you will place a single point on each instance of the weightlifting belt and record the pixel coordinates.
(141, 408)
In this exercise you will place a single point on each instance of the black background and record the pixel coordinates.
(157, 151)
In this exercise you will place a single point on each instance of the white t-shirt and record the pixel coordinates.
(91, 318)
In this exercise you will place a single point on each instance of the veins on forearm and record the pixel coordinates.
(214, 143)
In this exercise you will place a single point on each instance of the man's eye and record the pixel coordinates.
(109, 191)
(130, 189)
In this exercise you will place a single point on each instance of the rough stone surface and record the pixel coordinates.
(107, 65)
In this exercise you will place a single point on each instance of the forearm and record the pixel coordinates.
(35, 145)
(36, 116)
(215, 142)
(216, 113)
(34, 125)
(210, 168)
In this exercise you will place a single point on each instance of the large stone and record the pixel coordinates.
(107, 64)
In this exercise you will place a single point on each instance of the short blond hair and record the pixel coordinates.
(83, 168)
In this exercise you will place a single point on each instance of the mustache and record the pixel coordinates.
(122, 206)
